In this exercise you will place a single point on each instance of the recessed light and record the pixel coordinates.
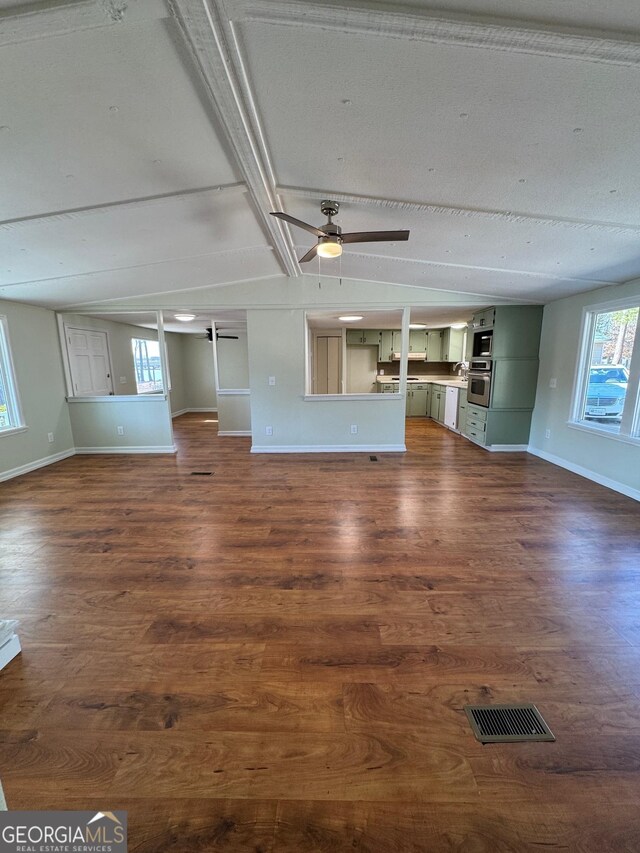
(417, 326)
(350, 318)
(185, 318)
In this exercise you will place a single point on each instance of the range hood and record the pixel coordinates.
(413, 356)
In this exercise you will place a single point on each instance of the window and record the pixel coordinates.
(10, 413)
(606, 396)
(147, 365)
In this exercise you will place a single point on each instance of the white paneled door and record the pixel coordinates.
(89, 362)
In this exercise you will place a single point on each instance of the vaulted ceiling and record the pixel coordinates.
(143, 144)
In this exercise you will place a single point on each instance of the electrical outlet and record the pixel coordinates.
(120, 430)
(268, 430)
(272, 380)
(547, 433)
(123, 380)
(553, 383)
(354, 429)
(50, 437)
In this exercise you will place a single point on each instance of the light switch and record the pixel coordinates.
(123, 380)
(272, 380)
(553, 383)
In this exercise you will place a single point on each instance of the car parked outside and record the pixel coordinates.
(606, 392)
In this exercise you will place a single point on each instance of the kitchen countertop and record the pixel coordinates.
(435, 380)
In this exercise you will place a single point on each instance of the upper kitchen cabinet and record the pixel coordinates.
(516, 331)
(418, 340)
(484, 319)
(452, 344)
(434, 345)
(364, 337)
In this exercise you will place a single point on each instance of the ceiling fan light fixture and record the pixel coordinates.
(185, 318)
(329, 247)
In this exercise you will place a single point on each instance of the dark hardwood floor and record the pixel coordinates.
(275, 657)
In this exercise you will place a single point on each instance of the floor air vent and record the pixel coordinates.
(201, 473)
(373, 459)
(507, 723)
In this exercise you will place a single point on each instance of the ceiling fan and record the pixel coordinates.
(330, 236)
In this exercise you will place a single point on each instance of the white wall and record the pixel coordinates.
(35, 346)
(606, 458)
(146, 422)
(276, 348)
(199, 377)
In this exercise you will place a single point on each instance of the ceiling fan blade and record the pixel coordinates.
(293, 221)
(313, 251)
(373, 236)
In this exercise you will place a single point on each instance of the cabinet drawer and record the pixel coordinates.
(472, 423)
(419, 386)
(476, 435)
(476, 412)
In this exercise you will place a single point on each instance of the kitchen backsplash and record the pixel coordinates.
(418, 368)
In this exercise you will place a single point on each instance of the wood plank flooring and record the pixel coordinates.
(275, 658)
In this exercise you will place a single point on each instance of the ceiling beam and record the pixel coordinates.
(509, 216)
(460, 30)
(215, 51)
(128, 204)
(32, 23)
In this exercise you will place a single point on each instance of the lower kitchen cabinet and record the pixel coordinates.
(488, 427)
(438, 400)
(417, 400)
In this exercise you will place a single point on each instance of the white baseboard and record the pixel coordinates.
(38, 463)
(587, 474)
(245, 432)
(186, 411)
(161, 448)
(508, 448)
(329, 448)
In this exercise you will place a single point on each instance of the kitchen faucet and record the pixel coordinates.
(464, 368)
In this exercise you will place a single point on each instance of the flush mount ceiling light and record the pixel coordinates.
(417, 326)
(185, 318)
(330, 236)
(458, 325)
(350, 318)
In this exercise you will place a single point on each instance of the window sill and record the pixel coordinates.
(321, 398)
(594, 430)
(14, 430)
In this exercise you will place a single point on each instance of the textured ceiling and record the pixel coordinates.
(142, 148)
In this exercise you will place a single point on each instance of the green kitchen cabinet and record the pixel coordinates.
(438, 399)
(363, 337)
(418, 340)
(516, 331)
(388, 387)
(452, 345)
(434, 345)
(462, 409)
(484, 319)
(417, 395)
(385, 347)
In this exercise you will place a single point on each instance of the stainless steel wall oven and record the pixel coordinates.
(479, 387)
